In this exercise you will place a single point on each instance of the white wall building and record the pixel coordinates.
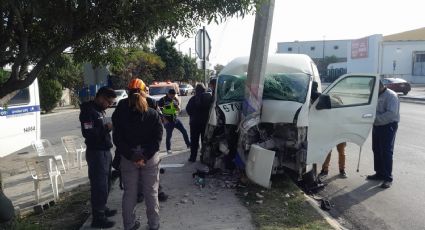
(315, 49)
(398, 55)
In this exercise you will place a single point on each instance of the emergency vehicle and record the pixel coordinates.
(157, 90)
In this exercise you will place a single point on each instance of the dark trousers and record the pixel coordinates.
(196, 130)
(169, 127)
(383, 138)
(99, 164)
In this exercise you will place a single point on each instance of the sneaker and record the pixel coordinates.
(191, 159)
(102, 223)
(110, 212)
(386, 184)
(342, 174)
(323, 173)
(162, 197)
(169, 152)
(374, 177)
(136, 225)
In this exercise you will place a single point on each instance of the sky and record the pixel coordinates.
(307, 20)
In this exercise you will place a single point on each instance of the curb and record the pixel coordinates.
(332, 221)
(59, 112)
(412, 100)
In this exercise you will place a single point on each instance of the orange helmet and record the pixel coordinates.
(136, 83)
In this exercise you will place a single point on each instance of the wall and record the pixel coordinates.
(402, 53)
(369, 64)
(305, 47)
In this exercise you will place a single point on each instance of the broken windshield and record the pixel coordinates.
(279, 86)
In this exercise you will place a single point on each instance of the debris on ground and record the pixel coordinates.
(259, 195)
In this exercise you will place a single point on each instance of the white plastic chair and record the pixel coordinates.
(43, 147)
(73, 146)
(44, 168)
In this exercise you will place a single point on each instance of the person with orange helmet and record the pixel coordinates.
(137, 136)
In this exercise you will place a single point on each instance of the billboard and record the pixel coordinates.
(360, 48)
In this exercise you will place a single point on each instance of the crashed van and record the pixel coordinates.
(292, 131)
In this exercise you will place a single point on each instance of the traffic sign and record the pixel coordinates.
(202, 44)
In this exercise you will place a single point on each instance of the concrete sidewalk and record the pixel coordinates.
(188, 205)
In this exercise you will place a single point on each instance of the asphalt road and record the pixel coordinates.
(361, 204)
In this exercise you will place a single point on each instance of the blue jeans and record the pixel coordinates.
(99, 166)
(169, 127)
(383, 138)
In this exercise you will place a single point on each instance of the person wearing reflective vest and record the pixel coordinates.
(170, 107)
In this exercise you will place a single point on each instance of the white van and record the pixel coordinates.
(20, 120)
(292, 133)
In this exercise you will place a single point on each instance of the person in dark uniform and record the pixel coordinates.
(137, 136)
(198, 109)
(170, 107)
(96, 131)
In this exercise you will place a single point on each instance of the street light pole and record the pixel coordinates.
(323, 52)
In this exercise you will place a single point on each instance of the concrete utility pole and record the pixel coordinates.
(258, 60)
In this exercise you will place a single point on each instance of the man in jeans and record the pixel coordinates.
(383, 135)
(170, 107)
(96, 131)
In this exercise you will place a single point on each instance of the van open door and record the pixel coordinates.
(345, 112)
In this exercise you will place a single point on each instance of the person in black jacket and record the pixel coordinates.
(198, 109)
(137, 136)
(96, 131)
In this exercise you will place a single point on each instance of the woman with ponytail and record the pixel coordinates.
(137, 136)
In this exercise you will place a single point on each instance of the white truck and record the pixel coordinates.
(292, 132)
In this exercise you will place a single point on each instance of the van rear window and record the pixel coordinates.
(21, 98)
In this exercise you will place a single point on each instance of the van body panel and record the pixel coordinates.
(348, 120)
(20, 121)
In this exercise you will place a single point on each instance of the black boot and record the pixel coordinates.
(110, 212)
(100, 220)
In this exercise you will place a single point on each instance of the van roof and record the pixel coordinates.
(276, 63)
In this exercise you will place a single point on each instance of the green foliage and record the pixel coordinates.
(4, 75)
(191, 71)
(172, 58)
(50, 93)
(218, 68)
(129, 62)
(33, 32)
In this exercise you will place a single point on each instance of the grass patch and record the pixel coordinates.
(284, 206)
(68, 214)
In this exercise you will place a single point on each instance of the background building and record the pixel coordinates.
(399, 55)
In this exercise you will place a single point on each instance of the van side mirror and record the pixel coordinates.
(324, 102)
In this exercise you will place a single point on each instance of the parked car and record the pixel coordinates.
(121, 94)
(290, 132)
(186, 89)
(157, 90)
(398, 85)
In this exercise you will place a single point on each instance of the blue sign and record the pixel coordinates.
(19, 110)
